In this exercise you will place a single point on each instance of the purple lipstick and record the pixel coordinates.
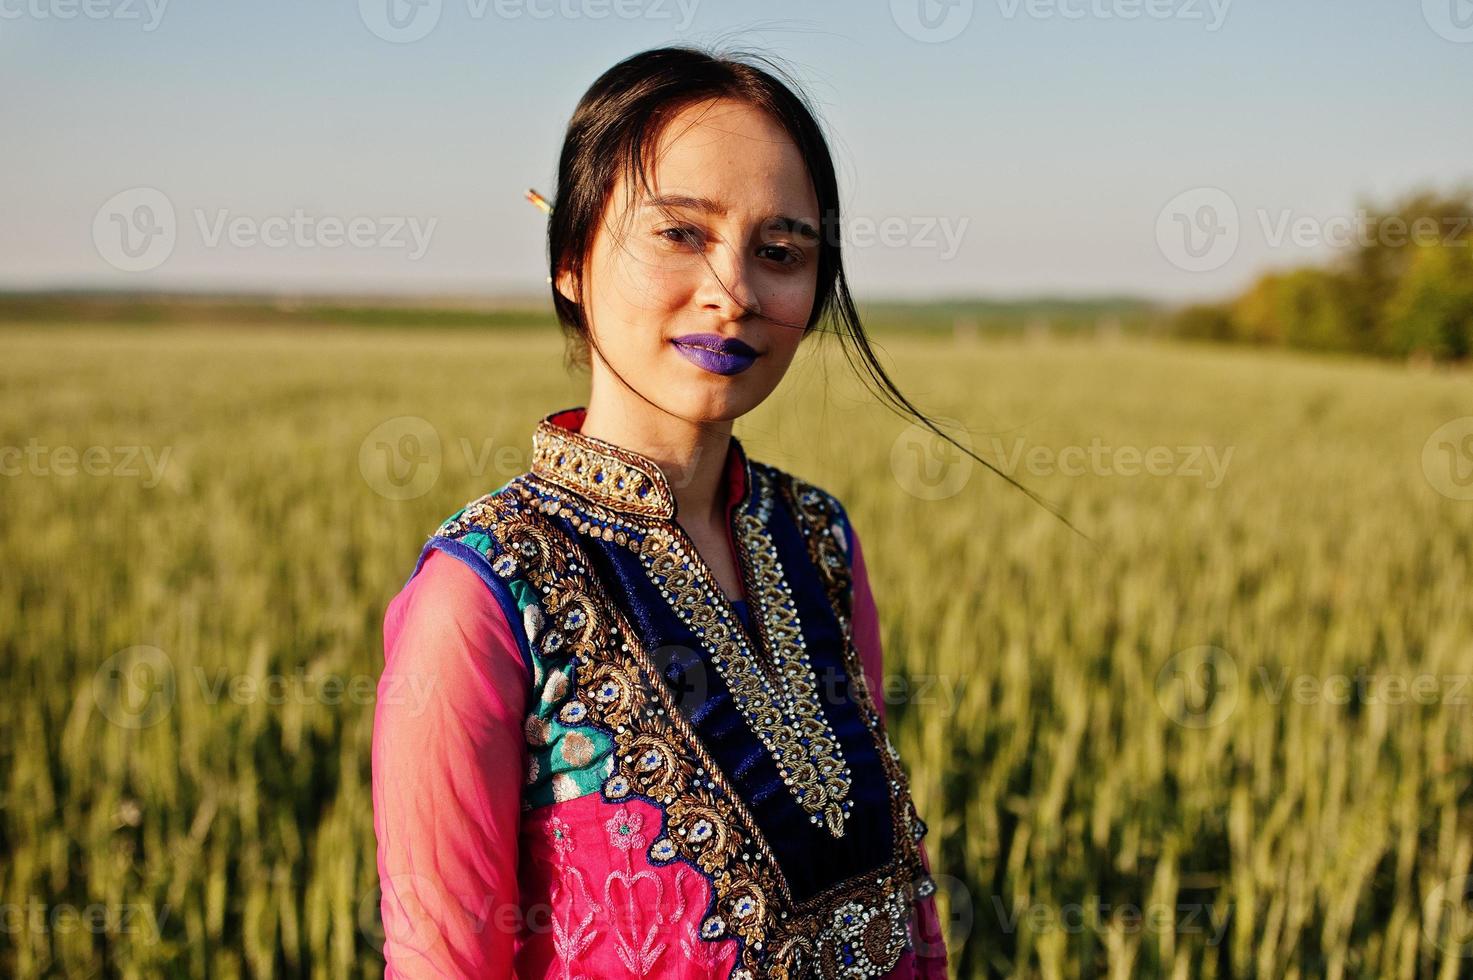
(715, 353)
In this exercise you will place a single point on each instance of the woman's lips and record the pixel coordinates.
(714, 353)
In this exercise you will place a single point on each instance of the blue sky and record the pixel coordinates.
(1021, 147)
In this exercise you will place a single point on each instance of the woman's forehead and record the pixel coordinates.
(727, 161)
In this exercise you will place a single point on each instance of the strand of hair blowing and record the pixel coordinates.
(613, 129)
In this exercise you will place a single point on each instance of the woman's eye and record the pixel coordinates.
(680, 235)
(783, 254)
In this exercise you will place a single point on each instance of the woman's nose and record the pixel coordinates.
(729, 286)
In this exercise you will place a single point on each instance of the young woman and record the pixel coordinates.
(654, 744)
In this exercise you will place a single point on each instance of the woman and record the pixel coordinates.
(653, 744)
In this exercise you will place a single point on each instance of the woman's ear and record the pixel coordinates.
(567, 286)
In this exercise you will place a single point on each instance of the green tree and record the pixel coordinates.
(1431, 311)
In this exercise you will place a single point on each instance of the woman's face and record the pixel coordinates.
(739, 226)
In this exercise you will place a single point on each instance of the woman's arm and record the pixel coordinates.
(930, 943)
(448, 768)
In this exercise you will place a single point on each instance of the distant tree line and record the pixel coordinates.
(1403, 288)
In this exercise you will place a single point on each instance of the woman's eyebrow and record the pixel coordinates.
(685, 201)
(697, 203)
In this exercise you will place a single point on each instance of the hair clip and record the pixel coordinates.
(539, 200)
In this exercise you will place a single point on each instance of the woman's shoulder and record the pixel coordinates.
(478, 516)
(455, 585)
(812, 503)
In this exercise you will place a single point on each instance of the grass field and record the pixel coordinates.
(1230, 738)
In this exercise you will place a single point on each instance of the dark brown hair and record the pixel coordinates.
(612, 131)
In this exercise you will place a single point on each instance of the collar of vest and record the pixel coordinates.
(618, 478)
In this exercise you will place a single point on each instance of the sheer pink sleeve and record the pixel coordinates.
(930, 955)
(448, 765)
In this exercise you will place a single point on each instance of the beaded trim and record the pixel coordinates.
(784, 711)
(783, 708)
(601, 471)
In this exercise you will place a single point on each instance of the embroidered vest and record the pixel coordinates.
(762, 748)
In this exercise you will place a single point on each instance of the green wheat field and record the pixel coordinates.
(1229, 736)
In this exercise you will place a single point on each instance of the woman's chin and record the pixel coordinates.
(716, 398)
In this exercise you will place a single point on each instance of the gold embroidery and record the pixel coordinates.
(859, 927)
(856, 929)
(601, 471)
(783, 709)
(782, 716)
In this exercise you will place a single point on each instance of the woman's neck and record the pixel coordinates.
(691, 455)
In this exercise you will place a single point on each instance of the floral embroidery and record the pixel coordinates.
(569, 939)
(633, 912)
(560, 835)
(623, 828)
